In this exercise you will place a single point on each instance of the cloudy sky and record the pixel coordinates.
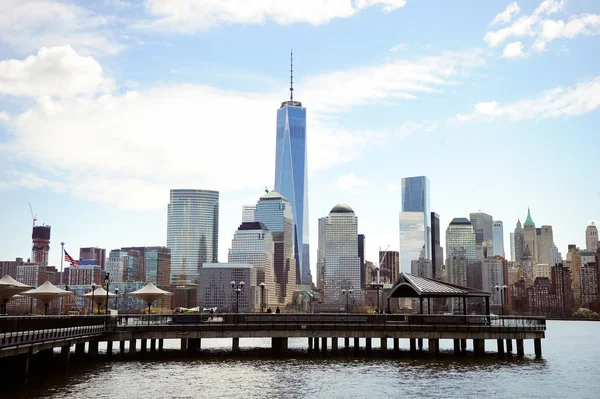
(106, 105)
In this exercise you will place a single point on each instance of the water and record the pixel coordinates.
(570, 368)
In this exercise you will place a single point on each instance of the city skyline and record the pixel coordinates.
(165, 99)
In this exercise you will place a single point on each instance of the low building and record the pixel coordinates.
(215, 288)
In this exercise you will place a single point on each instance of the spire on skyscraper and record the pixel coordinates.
(291, 75)
(529, 220)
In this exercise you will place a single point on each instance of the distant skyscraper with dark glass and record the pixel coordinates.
(291, 176)
(415, 222)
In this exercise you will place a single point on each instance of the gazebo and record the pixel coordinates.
(46, 293)
(149, 293)
(411, 286)
(9, 287)
(98, 296)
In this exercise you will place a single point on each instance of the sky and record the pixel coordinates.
(105, 106)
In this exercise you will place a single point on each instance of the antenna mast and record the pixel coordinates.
(291, 75)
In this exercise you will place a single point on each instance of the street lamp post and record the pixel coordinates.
(347, 293)
(501, 289)
(106, 281)
(262, 297)
(237, 288)
(92, 304)
(117, 299)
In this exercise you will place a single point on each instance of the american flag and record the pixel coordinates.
(72, 261)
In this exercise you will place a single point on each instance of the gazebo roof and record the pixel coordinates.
(47, 292)
(411, 286)
(10, 287)
(149, 293)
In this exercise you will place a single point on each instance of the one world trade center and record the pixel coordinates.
(291, 177)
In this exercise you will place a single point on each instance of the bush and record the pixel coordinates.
(585, 313)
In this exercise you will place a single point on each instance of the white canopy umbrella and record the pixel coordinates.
(149, 294)
(98, 295)
(9, 287)
(46, 293)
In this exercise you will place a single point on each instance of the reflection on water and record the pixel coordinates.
(571, 356)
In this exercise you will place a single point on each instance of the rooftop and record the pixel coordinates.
(460, 221)
(342, 208)
(411, 286)
(272, 195)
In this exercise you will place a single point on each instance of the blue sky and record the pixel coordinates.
(105, 106)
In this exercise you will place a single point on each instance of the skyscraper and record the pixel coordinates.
(437, 252)
(483, 224)
(460, 249)
(248, 213)
(361, 255)
(591, 237)
(275, 212)
(99, 254)
(389, 265)
(192, 232)
(530, 237)
(291, 178)
(40, 238)
(512, 246)
(545, 244)
(415, 223)
(321, 254)
(253, 244)
(342, 263)
(519, 242)
(498, 238)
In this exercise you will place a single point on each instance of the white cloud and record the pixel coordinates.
(27, 25)
(15, 180)
(513, 50)
(350, 181)
(558, 102)
(541, 29)
(3, 116)
(56, 71)
(187, 16)
(506, 15)
(398, 47)
(393, 187)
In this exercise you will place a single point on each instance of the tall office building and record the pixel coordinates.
(116, 264)
(530, 237)
(498, 238)
(519, 242)
(95, 253)
(361, 255)
(248, 213)
(40, 238)
(342, 263)
(291, 178)
(545, 244)
(253, 244)
(460, 249)
(192, 233)
(512, 246)
(321, 254)
(591, 237)
(437, 252)
(415, 223)
(275, 212)
(483, 224)
(389, 266)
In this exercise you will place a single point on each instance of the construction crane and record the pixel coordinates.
(34, 217)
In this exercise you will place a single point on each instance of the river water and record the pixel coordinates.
(570, 368)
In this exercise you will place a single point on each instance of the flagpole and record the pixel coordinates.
(62, 259)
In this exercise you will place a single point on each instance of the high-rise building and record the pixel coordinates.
(460, 249)
(483, 225)
(545, 244)
(519, 242)
(95, 253)
(390, 266)
(248, 213)
(291, 178)
(561, 286)
(498, 238)
(361, 255)
(275, 212)
(342, 263)
(591, 237)
(530, 236)
(321, 254)
(192, 232)
(147, 264)
(437, 252)
(589, 284)
(574, 263)
(253, 244)
(115, 265)
(512, 246)
(415, 222)
(485, 275)
(41, 245)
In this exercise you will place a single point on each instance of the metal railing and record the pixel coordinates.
(17, 331)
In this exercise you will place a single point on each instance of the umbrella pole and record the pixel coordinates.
(148, 313)
(46, 309)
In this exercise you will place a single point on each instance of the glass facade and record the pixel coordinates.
(341, 269)
(192, 232)
(460, 239)
(291, 178)
(498, 238)
(415, 223)
(483, 226)
(214, 289)
(275, 212)
(253, 244)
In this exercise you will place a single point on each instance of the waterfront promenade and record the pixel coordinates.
(24, 339)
